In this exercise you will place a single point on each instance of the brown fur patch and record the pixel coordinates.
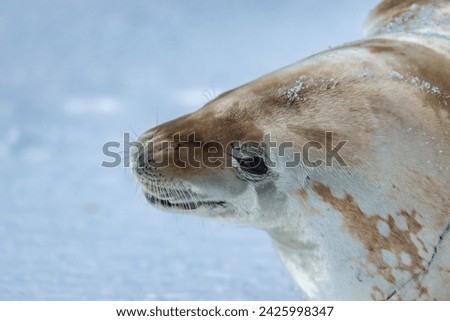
(310, 134)
(303, 194)
(207, 128)
(414, 59)
(365, 228)
(397, 6)
(377, 294)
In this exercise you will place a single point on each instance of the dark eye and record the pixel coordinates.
(254, 165)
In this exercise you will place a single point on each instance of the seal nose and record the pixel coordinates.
(141, 158)
(137, 158)
(145, 155)
(152, 153)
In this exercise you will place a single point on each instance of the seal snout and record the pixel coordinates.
(149, 152)
(140, 158)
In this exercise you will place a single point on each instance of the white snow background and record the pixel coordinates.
(76, 74)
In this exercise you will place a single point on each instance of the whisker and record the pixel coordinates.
(182, 197)
(134, 132)
(158, 191)
(193, 197)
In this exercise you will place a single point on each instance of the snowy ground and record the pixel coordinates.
(76, 74)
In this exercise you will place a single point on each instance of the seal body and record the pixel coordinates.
(343, 158)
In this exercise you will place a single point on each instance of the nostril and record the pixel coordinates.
(142, 158)
(149, 155)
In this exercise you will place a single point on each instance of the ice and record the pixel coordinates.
(426, 85)
(293, 94)
(429, 88)
(367, 73)
(435, 90)
(78, 74)
(396, 74)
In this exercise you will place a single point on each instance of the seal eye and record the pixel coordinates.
(253, 165)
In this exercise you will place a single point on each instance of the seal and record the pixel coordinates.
(343, 158)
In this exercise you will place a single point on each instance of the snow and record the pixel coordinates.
(293, 94)
(422, 85)
(396, 74)
(435, 90)
(426, 85)
(416, 18)
(78, 74)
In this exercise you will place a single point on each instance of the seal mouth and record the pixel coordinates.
(183, 205)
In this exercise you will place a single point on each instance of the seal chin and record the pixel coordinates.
(186, 205)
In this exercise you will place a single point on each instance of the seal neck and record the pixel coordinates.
(303, 259)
